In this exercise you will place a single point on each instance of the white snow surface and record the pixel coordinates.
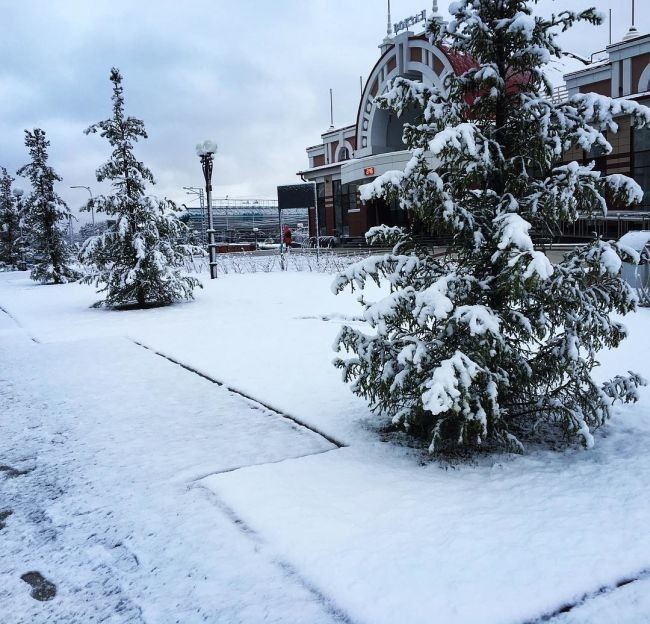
(638, 240)
(115, 439)
(157, 496)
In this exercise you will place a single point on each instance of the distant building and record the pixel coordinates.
(356, 154)
(624, 73)
(244, 220)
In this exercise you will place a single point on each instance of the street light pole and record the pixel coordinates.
(206, 152)
(92, 202)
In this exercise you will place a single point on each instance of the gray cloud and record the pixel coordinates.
(252, 75)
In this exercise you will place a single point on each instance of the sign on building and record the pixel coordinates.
(296, 196)
(410, 21)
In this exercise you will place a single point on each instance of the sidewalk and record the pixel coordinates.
(111, 439)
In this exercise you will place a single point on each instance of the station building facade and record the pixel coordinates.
(354, 155)
(624, 73)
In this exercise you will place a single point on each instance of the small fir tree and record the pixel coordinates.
(10, 240)
(138, 259)
(492, 344)
(46, 215)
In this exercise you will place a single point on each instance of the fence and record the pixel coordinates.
(613, 226)
(247, 220)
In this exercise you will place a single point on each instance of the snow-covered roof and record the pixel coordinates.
(337, 130)
(322, 167)
(585, 69)
(638, 240)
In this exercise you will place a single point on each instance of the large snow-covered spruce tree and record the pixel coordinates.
(10, 240)
(46, 215)
(492, 345)
(138, 260)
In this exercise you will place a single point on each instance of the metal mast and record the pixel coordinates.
(389, 23)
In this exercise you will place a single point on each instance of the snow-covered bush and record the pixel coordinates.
(491, 344)
(329, 262)
(139, 258)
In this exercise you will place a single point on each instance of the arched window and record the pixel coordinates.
(644, 80)
(344, 154)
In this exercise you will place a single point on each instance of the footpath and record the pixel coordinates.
(101, 517)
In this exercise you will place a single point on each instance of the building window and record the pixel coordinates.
(398, 215)
(349, 195)
(340, 208)
(598, 156)
(320, 192)
(344, 154)
(641, 171)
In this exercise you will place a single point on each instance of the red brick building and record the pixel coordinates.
(623, 73)
(353, 155)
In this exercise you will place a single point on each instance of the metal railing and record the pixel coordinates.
(560, 94)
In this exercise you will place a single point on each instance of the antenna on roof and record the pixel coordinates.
(633, 32)
(435, 15)
(610, 27)
(389, 23)
(331, 110)
(361, 84)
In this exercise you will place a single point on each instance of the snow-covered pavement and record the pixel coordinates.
(155, 495)
(113, 439)
(268, 334)
(490, 546)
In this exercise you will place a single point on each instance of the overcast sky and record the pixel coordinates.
(253, 75)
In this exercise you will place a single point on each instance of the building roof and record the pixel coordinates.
(460, 63)
(322, 167)
(337, 130)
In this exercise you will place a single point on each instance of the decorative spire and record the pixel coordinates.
(389, 24)
(633, 32)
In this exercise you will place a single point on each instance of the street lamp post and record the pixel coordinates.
(92, 203)
(206, 151)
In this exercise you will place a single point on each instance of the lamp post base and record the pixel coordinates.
(212, 253)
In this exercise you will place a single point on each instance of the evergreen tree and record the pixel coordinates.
(46, 215)
(88, 230)
(491, 344)
(10, 239)
(138, 260)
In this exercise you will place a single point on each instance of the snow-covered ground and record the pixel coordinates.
(154, 495)
(115, 441)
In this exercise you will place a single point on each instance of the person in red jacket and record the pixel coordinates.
(286, 237)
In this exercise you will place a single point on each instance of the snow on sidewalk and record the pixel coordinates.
(102, 442)
(268, 334)
(383, 537)
(496, 545)
(626, 605)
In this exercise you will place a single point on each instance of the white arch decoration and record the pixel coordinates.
(383, 75)
(644, 81)
(346, 145)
